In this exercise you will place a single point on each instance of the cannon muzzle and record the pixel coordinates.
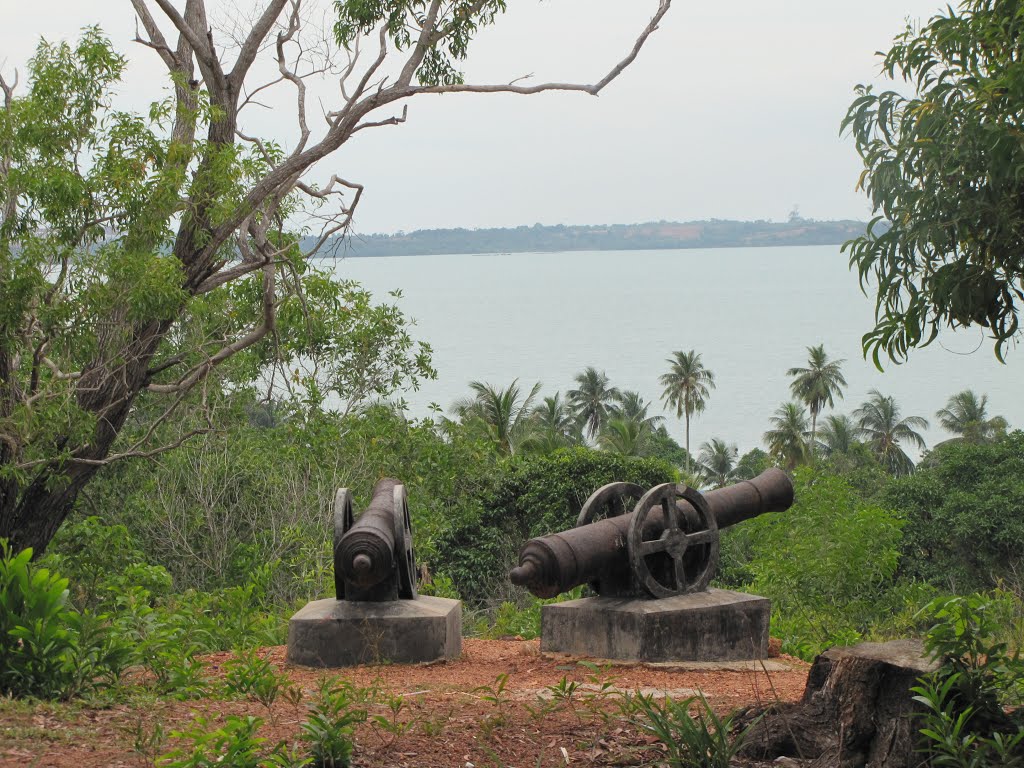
(373, 556)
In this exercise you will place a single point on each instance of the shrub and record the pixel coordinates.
(972, 702)
(700, 740)
(965, 515)
(329, 729)
(824, 563)
(47, 649)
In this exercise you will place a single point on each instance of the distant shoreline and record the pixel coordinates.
(661, 235)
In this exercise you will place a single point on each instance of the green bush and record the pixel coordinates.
(826, 563)
(965, 515)
(701, 740)
(47, 649)
(328, 731)
(972, 703)
(233, 744)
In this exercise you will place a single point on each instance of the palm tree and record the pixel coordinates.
(627, 438)
(817, 385)
(688, 386)
(787, 440)
(630, 406)
(879, 422)
(591, 400)
(966, 415)
(554, 426)
(505, 416)
(718, 462)
(838, 434)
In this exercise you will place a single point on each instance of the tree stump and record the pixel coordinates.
(856, 710)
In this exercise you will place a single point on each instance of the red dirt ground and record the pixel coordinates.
(449, 723)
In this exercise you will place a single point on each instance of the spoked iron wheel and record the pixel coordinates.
(677, 556)
(404, 552)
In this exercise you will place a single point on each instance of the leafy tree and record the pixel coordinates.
(661, 445)
(966, 415)
(688, 386)
(879, 422)
(555, 426)
(965, 515)
(631, 407)
(505, 414)
(717, 462)
(787, 439)
(624, 436)
(942, 168)
(838, 435)
(592, 400)
(141, 254)
(751, 464)
(817, 385)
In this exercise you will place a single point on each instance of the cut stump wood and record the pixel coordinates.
(856, 711)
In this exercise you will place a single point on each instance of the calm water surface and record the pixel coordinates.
(751, 313)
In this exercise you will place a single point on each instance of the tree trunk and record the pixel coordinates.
(856, 711)
(687, 442)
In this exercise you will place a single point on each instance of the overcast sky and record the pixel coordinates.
(731, 111)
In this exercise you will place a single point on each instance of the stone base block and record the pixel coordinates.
(717, 625)
(340, 633)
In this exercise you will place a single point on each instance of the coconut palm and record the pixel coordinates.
(630, 406)
(688, 386)
(966, 415)
(817, 385)
(787, 440)
(718, 462)
(879, 423)
(554, 426)
(591, 400)
(503, 412)
(627, 438)
(838, 435)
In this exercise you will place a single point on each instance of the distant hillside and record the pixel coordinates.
(609, 237)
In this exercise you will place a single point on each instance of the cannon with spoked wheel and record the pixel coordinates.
(667, 545)
(664, 546)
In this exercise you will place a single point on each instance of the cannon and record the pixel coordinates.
(376, 613)
(374, 560)
(666, 546)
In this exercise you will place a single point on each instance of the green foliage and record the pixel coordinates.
(701, 740)
(47, 649)
(234, 744)
(531, 496)
(942, 168)
(454, 27)
(328, 730)
(964, 509)
(251, 675)
(972, 716)
(824, 563)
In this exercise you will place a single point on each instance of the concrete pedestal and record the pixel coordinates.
(340, 633)
(717, 625)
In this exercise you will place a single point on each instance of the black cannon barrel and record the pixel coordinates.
(366, 553)
(550, 565)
